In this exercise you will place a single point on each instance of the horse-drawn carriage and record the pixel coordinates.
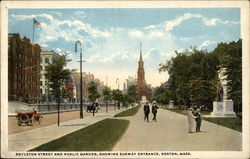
(95, 107)
(28, 117)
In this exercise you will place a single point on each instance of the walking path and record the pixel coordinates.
(27, 140)
(170, 133)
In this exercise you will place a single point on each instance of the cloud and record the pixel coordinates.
(80, 14)
(169, 25)
(58, 50)
(136, 33)
(44, 45)
(214, 21)
(156, 34)
(206, 44)
(31, 16)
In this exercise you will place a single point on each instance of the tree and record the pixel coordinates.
(117, 96)
(184, 70)
(132, 95)
(106, 91)
(183, 95)
(202, 92)
(232, 61)
(93, 93)
(56, 75)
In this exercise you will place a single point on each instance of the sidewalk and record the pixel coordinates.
(27, 140)
(170, 133)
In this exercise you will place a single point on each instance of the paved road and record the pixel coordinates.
(27, 140)
(170, 133)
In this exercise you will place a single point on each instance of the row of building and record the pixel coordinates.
(26, 73)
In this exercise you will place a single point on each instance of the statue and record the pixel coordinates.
(222, 106)
(219, 92)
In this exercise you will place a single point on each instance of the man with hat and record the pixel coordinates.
(146, 111)
(154, 110)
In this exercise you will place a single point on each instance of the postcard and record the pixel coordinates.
(125, 79)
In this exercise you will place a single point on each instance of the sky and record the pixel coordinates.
(111, 37)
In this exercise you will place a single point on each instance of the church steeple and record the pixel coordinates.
(140, 52)
(142, 88)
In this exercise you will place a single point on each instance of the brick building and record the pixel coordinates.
(70, 87)
(23, 69)
(86, 78)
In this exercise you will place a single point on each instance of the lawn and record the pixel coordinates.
(129, 112)
(232, 123)
(101, 136)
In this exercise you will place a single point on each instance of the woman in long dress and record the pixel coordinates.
(191, 118)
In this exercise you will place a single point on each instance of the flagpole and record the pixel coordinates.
(33, 31)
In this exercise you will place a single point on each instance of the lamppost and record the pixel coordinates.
(80, 44)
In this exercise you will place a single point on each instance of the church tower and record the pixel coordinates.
(142, 88)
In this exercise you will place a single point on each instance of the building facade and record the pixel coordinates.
(142, 87)
(129, 82)
(46, 58)
(86, 78)
(23, 69)
(70, 88)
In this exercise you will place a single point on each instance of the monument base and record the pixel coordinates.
(143, 100)
(170, 106)
(223, 109)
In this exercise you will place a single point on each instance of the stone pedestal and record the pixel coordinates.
(223, 109)
(171, 104)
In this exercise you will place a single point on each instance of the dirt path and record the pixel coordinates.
(170, 133)
(48, 119)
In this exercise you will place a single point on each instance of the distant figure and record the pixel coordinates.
(191, 118)
(198, 120)
(146, 111)
(154, 110)
(97, 106)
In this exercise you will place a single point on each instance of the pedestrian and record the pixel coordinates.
(191, 118)
(198, 120)
(154, 110)
(146, 111)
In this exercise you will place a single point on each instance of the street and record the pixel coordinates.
(48, 119)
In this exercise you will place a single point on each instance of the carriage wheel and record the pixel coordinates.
(24, 118)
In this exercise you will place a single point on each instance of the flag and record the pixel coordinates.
(36, 23)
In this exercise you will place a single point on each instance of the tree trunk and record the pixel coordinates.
(106, 106)
(58, 111)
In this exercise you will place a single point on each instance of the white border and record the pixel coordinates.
(243, 5)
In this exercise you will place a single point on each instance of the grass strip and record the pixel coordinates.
(232, 123)
(101, 136)
(129, 112)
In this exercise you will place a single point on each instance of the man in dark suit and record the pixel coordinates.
(154, 110)
(198, 120)
(146, 111)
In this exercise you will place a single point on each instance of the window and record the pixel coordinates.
(41, 83)
(46, 60)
